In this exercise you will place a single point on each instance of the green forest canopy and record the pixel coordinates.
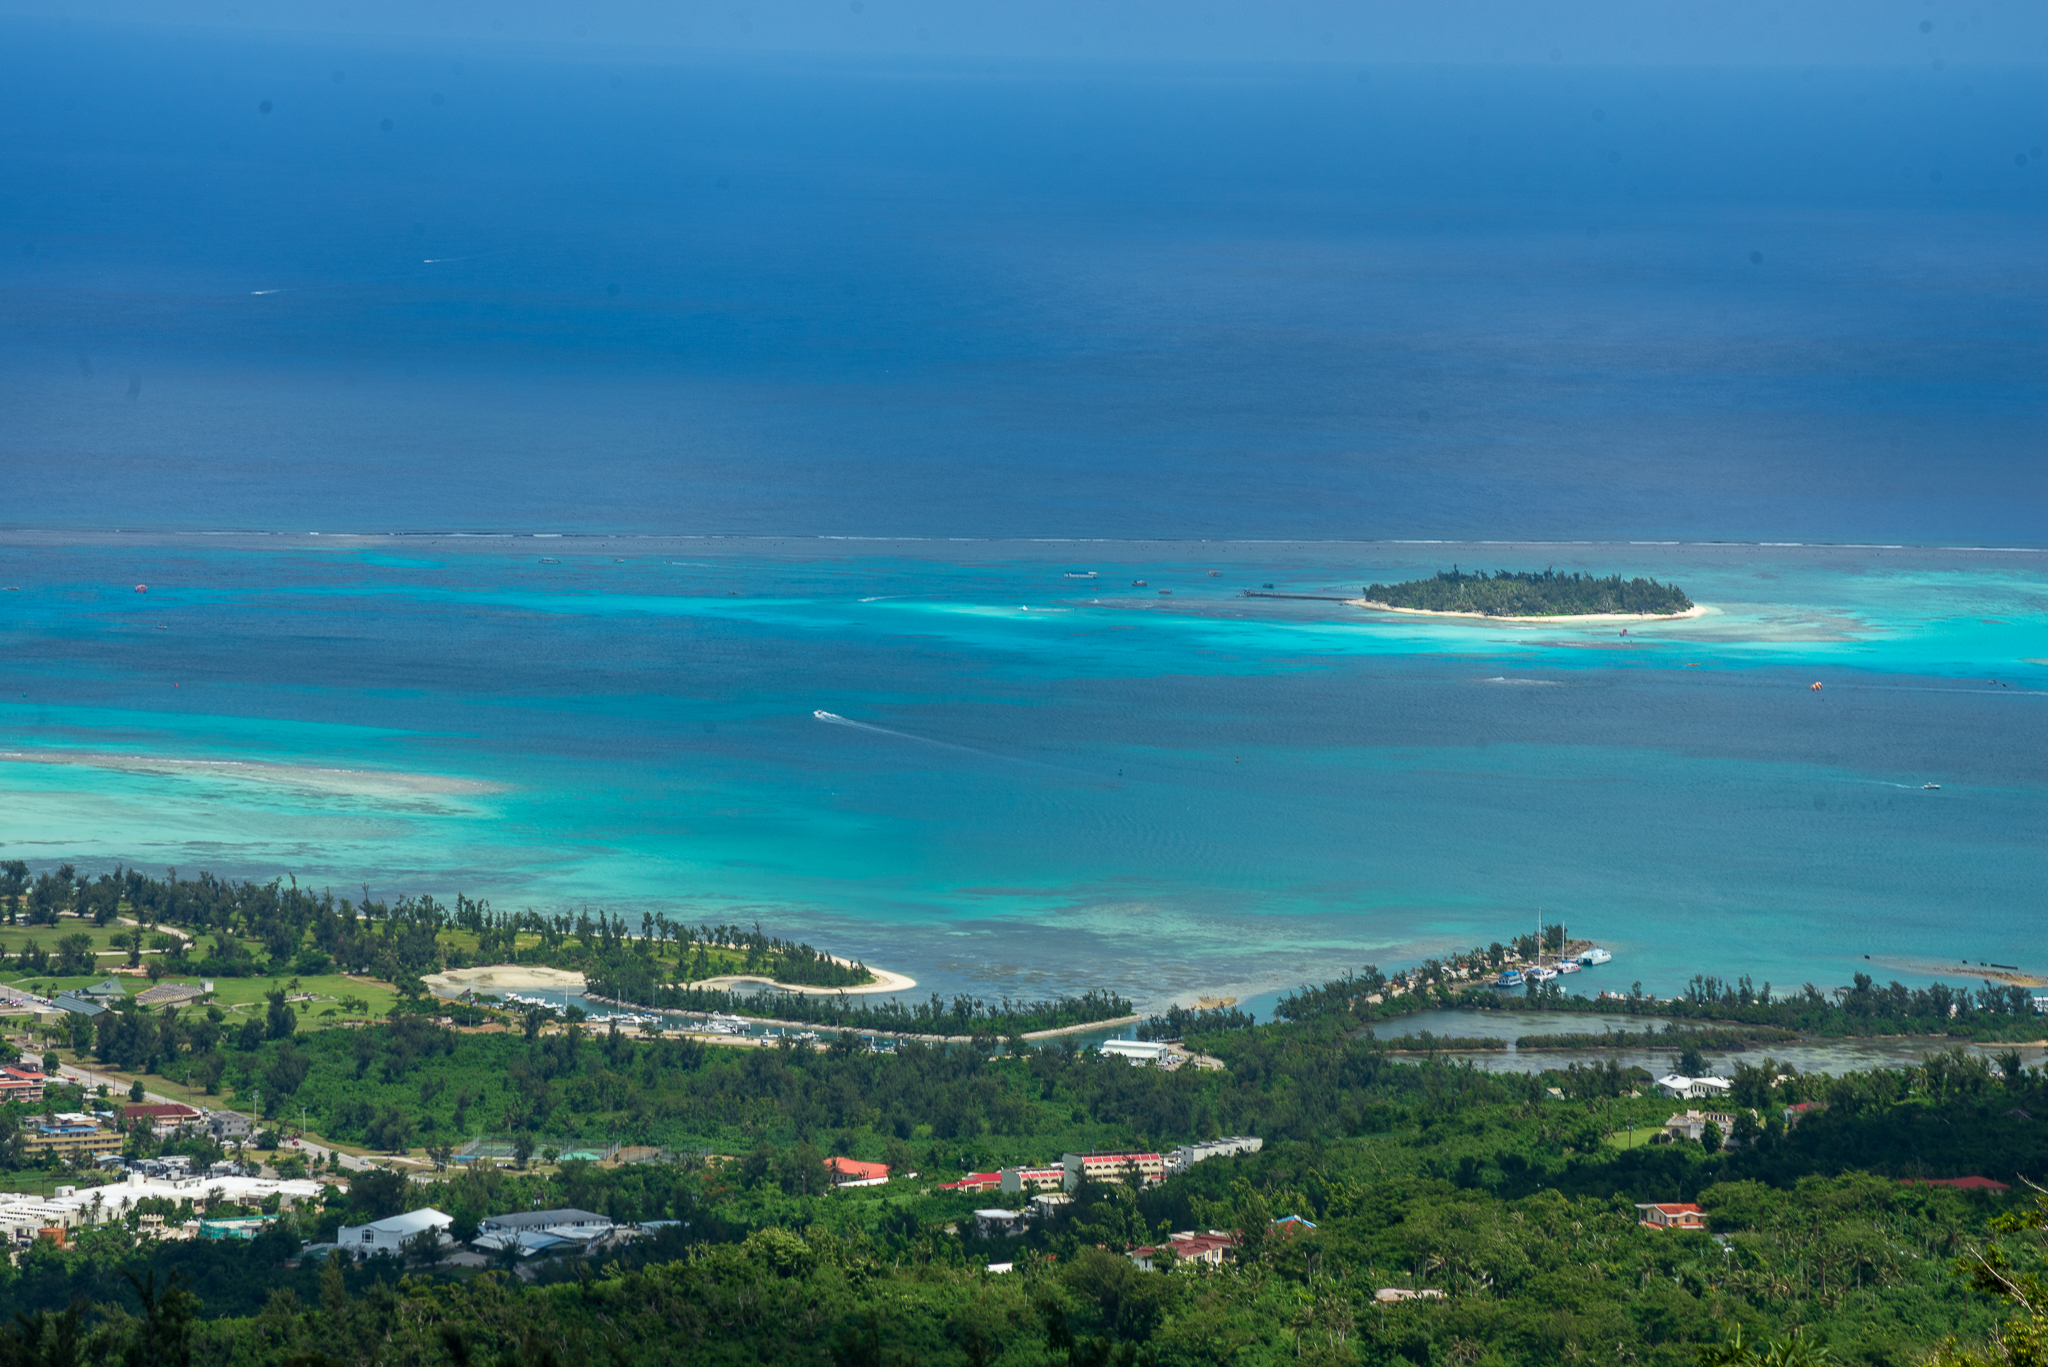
(1511, 593)
(1514, 1201)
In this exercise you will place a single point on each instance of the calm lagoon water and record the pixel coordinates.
(1031, 782)
(1808, 1056)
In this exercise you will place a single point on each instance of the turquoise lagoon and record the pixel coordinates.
(1027, 781)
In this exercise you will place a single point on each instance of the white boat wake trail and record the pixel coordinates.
(834, 719)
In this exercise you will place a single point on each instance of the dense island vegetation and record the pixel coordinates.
(1508, 593)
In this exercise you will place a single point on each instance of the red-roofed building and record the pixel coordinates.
(974, 1181)
(852, 1172)
(1113, 1167)
(1972, 1183)
(1188, 1246)
(20, 1084)
(1672, 1215)
(159, 1116)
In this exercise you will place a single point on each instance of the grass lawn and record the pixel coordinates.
(109, 942)
(44, 1182)
(1622, 1139)
(238, 996)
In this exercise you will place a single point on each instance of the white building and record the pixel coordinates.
(1181, 1159)
(22, 1216)
(389, 1236)
(1137, 1050)
(995, 1222)
(1692, 1126)
(1694, 1088)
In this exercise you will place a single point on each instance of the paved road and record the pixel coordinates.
(118, 1090)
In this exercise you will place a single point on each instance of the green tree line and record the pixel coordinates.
(1510, 593)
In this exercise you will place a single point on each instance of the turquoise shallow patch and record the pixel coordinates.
(1034, 784)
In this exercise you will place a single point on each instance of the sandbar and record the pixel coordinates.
(324, 777)
(2011, 977)
(1598, 618)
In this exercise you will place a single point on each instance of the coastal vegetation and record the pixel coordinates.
(1178, 1022)
(958, 1016)
(1989, 1013)
(209, 927)
(1730, 1014)
(221, 928)
(1511, 593)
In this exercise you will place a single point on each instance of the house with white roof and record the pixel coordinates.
(1693, 1088)
(390, 1235)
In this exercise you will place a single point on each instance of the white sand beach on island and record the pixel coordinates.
(1591, 618)
(520, 977)
(885, 981)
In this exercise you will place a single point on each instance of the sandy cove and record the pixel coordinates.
(1596, 618)
(885, 981)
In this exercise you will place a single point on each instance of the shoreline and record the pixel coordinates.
(518, 976)
(885, 981)
(1697, 610)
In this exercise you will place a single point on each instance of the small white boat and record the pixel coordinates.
(1087, 574)
(1569, 965)
(1595, 956)
(1541, 975)
(1930, 787)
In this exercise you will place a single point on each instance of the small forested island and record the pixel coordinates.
(1510, 593)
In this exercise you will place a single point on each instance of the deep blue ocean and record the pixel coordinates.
(520, 449)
